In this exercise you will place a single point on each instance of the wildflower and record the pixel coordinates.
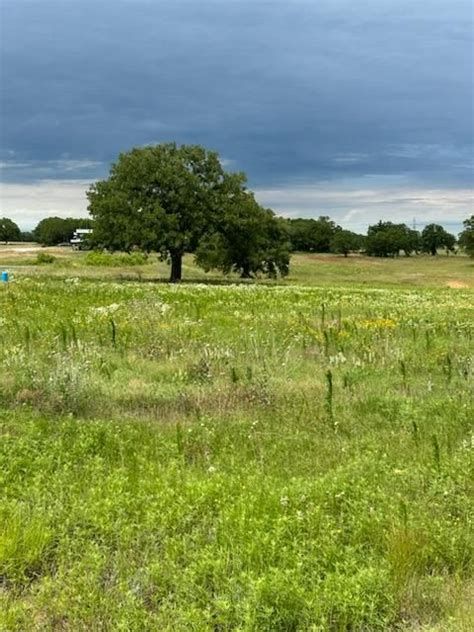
(106, 309)
(337, 359)
(468, 444)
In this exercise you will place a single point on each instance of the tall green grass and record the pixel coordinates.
(235, 458)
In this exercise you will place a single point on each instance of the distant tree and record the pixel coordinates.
(434, 237)
(9, 231)
(56, 230)
(466, 238)
(345, 241)
(410, 240)
(381, 244)
(312, 235)
(164, 198)
(249, 240)
(386, 239)
(27, 235)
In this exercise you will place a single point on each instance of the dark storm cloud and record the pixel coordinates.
(359, 109)
(306, 90)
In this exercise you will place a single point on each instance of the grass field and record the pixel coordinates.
(455, 271)
(275, 457)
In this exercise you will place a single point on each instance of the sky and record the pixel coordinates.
(357, 109)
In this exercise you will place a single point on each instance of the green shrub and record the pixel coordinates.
(116, 259)
(44, 257)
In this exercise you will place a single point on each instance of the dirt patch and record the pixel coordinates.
(15, 251)
(457, 285)
(18, 251)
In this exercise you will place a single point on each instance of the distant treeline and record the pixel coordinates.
(384, 239)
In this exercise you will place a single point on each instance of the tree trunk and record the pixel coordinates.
(176, 267)
(245, 274)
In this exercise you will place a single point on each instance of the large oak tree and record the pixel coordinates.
(163, 198)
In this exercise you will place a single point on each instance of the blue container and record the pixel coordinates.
(5, 277)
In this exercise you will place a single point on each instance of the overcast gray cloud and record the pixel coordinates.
(304, 96)
(353, 203)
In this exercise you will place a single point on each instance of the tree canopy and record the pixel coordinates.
(9, 231)
(386, 239)
(312, 235)
(466, 238)
(249, 240)
(434, 237)
(345, 241)
(168, 198)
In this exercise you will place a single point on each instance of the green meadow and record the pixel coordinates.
(422, 271)
(217, 455)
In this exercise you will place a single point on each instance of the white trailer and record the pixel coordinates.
(79, 239)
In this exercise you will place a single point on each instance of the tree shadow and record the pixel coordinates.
(130, 277)
(196, 281)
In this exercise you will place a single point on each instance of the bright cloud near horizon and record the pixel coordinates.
(357, 109)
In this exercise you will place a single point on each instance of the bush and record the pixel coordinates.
(116, 259)
(44, 257)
